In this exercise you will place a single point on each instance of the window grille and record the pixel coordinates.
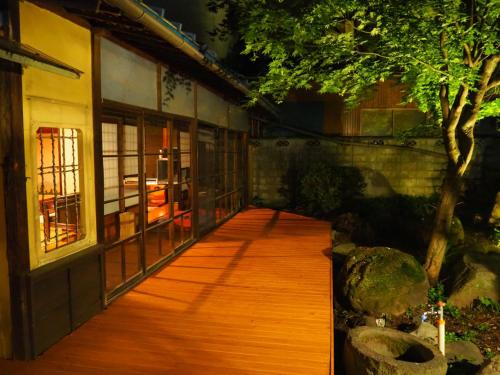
(58, 170)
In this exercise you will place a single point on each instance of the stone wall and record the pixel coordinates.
(388, 168)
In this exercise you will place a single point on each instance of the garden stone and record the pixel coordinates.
(344, 249)
(476, 276)
(384, 351)
(463, 350)
(427, 331)
(495, 213)
(339, 254)
(491, 367)
(457, 234)
(372, 321)
(382, 280)
(477, 243)
(340, 238)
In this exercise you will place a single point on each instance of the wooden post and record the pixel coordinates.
(15, 197)
(194, 167)
(98, 161)
(246, 170)
(143, 193)
(97, 134)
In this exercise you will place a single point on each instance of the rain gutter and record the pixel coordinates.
(28, 56)
(139, 12)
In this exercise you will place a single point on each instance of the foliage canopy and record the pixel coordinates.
(346, 47)
(445, 52)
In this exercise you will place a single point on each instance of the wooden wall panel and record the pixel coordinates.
(387, 95)
(50, 309)
(86, 299)
(63, 295)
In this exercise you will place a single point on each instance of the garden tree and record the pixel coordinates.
(445, 52)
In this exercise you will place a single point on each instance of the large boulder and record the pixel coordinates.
(382, 280)
(478, 275)
(427, 331)
(491, 367)
(384, 351)
(495, 212)
(478, 243)
(467, 351)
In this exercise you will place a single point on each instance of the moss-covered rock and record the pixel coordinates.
(495, 212)
(476, 276)
(382, 280)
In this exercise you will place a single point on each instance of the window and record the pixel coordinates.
(389, 122)
(58, 187)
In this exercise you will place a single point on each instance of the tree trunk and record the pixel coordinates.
(442, 224)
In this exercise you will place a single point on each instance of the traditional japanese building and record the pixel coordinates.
(122, 142)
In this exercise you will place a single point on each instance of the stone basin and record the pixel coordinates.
(384, 351)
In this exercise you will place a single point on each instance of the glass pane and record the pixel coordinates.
(155, 139)
(111, 227)
(129, 140)
(111, 179)
(405, 119)
(219, 209)
(187, 227)
(128, 222)
(167, 239)
(132, 258)
(111, 207)
(113, 261)
(376, 122)
(58, 186)
(130, 168)
(177, 232)
(157, 206)
(152, 245)
(109, 139)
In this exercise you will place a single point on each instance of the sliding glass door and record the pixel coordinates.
(206, 180)
(221, 168)
(147, 190)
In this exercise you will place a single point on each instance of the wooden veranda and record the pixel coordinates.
(252, 297)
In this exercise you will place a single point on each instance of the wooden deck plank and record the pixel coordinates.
(252, 297)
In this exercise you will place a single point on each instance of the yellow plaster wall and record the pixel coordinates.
(51, 98)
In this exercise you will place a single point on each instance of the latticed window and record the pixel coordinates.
(58, 186)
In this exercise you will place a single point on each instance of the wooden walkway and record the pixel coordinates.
(252, 297)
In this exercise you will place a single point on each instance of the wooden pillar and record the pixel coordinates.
(97, 130)
(246, 170)
(15, 196)
(98, 161)
(194, 166)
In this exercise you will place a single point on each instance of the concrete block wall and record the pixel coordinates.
(388, 169)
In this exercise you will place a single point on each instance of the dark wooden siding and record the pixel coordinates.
(386, 95)
(63, 295)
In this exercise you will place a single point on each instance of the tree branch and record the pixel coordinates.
(467, 127)
(412, 57)
(444, 89)
(444, 101)
(450, 127)
(468, 55)
(492, 85)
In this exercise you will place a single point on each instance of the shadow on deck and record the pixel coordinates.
(252, 297)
